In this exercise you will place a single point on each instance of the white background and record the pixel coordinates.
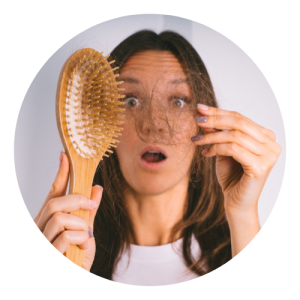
(238, 83)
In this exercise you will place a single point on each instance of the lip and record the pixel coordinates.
(153, 148)
(153, 165)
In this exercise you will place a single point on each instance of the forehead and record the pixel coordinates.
(152, 64)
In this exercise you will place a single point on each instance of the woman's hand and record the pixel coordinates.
(246, 152)
(60, 227)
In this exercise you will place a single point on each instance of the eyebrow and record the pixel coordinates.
(178, 81)
(129, 80)
(136, 81)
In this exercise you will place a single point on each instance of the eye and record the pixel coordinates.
(132, 101)
(180, 102)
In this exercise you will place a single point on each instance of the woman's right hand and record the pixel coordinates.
(60, 227)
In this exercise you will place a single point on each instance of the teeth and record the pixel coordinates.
(153, 152)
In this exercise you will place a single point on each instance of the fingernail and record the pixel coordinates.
(87, 245)
(205, 151)
(99, 186)
(61, 156)
(202, 106)
(93, 204)
(200, 119)
(90, 232)
(196, 138)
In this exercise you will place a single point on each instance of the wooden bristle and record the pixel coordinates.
(93, 105)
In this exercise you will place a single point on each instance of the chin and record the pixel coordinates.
(148, 186)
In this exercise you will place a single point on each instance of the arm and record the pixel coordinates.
(243, 228)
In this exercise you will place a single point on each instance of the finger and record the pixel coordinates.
(96, 196)
(207, 129)
(233, 136)
(68, 238)
(241, 155)
(59, 186)
(65, 204)
(210, 130)
(209, 111)
(60, 222)
(231, 123)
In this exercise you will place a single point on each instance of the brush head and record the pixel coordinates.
(88, 104)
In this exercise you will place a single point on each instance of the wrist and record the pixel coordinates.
(242, 216)
(243, 225)
(241, 212)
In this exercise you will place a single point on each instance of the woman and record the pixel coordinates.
(185, 174)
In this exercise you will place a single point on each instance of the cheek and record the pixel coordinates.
(189, 128)
(129, 131)
(127, 140)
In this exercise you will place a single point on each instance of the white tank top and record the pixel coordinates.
(159, 265)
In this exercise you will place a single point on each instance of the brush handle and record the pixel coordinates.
(82, 171)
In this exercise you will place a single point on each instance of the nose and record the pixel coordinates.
(153, 121)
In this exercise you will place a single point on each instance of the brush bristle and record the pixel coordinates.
(92, 106)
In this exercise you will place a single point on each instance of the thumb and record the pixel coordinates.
(96, 196)
(60, 183)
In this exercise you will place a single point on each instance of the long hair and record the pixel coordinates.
(205, 214)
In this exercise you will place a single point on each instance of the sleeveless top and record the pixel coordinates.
(158, 265)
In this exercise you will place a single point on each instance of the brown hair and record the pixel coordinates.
(205, 214)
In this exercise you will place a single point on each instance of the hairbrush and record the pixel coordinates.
(88, 118)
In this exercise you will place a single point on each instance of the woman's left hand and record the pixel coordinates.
(246, 152)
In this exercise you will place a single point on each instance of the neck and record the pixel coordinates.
(154, 216)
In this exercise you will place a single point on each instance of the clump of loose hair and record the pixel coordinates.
(205, 214)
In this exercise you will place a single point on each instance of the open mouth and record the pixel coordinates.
(153, 156)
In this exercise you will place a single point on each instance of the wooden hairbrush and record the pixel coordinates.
(87, 115)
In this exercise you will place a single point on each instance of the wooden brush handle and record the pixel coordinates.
(82, 171)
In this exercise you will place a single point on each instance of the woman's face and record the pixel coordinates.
(155, 150)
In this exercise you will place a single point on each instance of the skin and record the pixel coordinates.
(156, 199)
